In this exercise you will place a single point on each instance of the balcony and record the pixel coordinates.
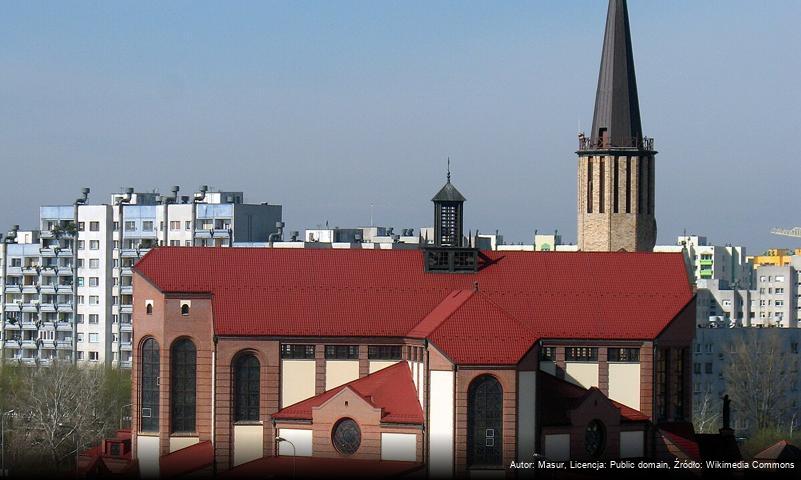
(213, 233)
(63, 327)
(65, 344)
(12, 343)
(30, 307)
(126, 308)
(126, 327)
(132, 252)
(125, 364)
(29, 345)
(65, 307)
(47, 289)
(31, 270)
(13, 307)
(706, 263)
(47, 307)
(45, 362)
(13, 270)
(28, 361)
(28, 326)
(48, 344)
(125, 346)
(13, 288)
(11, 326)
(65, 271)
(63, 289)
(706, 273)
(126, 290)
(30, 289)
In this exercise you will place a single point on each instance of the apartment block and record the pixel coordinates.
(67, 285)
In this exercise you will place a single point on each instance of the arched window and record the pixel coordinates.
(182, 391)
(149, 309)
(149, 386)
(185, 309)
(346, 436)
(484, 422)
(246, 388)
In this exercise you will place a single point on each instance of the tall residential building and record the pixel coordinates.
(67, 288)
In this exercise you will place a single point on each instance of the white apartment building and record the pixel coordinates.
(66, 288)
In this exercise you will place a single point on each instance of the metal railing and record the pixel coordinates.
(641, 143)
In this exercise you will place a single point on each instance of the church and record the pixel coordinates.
(445, 361)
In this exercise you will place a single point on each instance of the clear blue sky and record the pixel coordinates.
(327, 107)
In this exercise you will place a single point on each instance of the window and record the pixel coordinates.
(246, 386)
(780, 290)
(81, 226)
(289, 351)
(115, 226)
(81, 244)
(188, 243)
(780, 278)
(80, 355)
(187, 225)
(147, 225)
(80, 281)
(708, 367)
(595, 438)
(94, 244)
(93, 338)
(794, 347)
(79, 337)
(149, 309)
(384, 352)
(79, 318)
(94, 281)
(548, 354)
(93, 356)
(80, 300)
(94, 318)
(346, 436)
(94, 299)
(697, 368)
(342, 352)
(581, 354)
(175, 225)
(94, 263)
(623, 355)
(175, 243)
(185, 309)
(149, 390)
(182, 382)
(130, 226)
(708, 348)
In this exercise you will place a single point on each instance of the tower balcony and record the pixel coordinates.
(587, 144)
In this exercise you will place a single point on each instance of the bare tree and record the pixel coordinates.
(758, 382)
(707, 413)
(61, 411)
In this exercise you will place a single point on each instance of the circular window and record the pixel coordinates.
(346, 436)
(595, 438)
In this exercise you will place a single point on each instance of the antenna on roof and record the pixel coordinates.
(449, 169)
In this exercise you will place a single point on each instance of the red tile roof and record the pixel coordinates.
(391, 389)
(319, 467)
(564, 396)
(681, 435)
(353, 292)
(187, 460)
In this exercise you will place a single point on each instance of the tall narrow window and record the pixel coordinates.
(628, 184)
(183, 388)
(616, 184)
(246, 386)
(589, 185)
(641, 185)
(602, 186)
(149, 388)
(484, 422)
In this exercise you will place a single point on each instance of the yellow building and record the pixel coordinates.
(775, 257)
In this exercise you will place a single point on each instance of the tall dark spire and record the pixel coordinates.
(616, 122)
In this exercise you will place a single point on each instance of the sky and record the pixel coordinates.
(330, 107)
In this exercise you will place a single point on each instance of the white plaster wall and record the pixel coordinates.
(557, 447)
(631, 444)
(339, 372)
(376, 365)
(584, 374)
(399, 446)
(297, 381)
(177, 443)
(147, 452)
(624, 384)
(302, 439)
(440, 448)
(526, 414)
(248, 443)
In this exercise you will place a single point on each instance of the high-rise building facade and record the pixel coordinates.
(616, 172)
(67, 287)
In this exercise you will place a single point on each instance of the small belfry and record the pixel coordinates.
(616, 173)
(448, 214)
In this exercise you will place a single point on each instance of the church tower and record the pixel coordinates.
(616, 163)
(448, 215)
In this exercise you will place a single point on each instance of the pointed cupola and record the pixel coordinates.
(448, 215)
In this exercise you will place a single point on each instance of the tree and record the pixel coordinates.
(759, 385)
(61, 411)
(707, 413)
